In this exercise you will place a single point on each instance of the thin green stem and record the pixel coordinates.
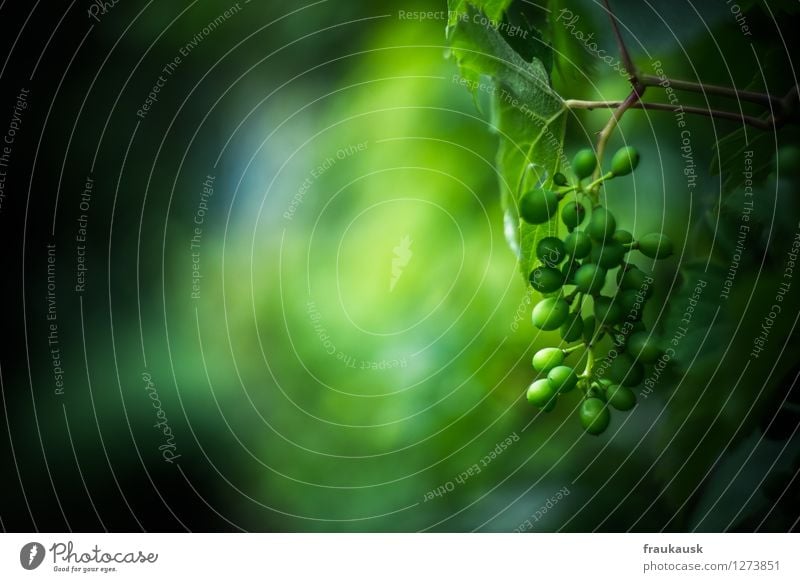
(605, 134)
(587, 370)
(599, 180)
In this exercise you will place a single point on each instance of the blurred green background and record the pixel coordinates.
(361, 336)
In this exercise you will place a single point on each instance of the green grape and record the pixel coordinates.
(572, 329)
(541, 393)
(655, 245)
(550, 251)
(572, 214)
(623, 237)
(602, 224)
(568, 271)
(643, 347)
(584, 163)
(550, 313)
(547, 358)
(624, 370)
(594, 416)
(607, 310)
(630, 304)
(589, 326)
(634, 278)
(538, 206)
(560, 179)
(546, 279)
(563, 378)
(590, 278)
(551, 404)
(620, 397)
(577, 244)
(622, 272)
(609, 254)
(624, 161)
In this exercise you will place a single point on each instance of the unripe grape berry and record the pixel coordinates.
(623, 237)
(568, 271)
(550, 313)
(602, 224)
(620, 397)
(624, 370)
(594, 416)
(560, 179)
(589, 326)
(584, 163)
(572, 329)
(634, 278)
(607, 310)
(563, 378)
(630, 304)
(541, 392)
(546, 279)
(538, 206)
(550, 251)
(623, 271)
(624, 161)
(572, 214)
(643, 347)
(590, 278)
(547, 358)
(608, 254)
(655, 245)
(577, 244)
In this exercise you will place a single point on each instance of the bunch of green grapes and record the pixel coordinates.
(572, 275)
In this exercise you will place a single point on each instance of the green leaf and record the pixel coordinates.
(526, 32)
(686, 337)
(527, 115)
(729, 157)
(721, 391)
(459, 9)
(573, 62)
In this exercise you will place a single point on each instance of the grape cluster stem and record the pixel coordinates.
(780, 111)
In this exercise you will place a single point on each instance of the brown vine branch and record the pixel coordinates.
(627, 61)
(781, 110)
(764, 99)
(758, 122)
